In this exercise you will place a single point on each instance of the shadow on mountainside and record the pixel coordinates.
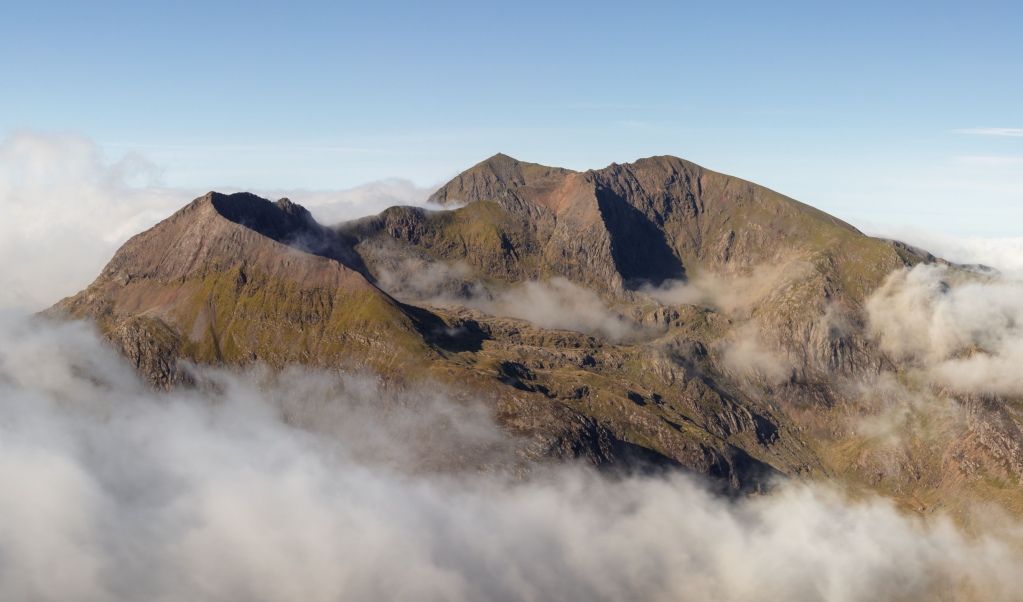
(289, 224)
(639, 248)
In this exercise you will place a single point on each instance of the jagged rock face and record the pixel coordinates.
(233, 280)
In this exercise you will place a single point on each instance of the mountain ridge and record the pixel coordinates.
(238, 280)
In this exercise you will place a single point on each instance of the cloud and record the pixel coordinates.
(733, 295)
(331, 207)
(556, 304)
(966, 331)
(66, 208)
(125, 494)
(563, 304)
(674, 292)
(745, 353)
(1002, 253)
(992, 131)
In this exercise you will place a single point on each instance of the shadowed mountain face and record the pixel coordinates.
(556, 299)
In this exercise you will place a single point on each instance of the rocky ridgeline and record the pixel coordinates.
(764, 374)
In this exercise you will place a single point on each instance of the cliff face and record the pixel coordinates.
(739, 350)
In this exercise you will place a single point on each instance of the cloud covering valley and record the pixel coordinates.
(307, 485)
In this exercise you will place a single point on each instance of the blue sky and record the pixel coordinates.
(857, 108)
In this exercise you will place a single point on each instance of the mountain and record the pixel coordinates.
(734, 340)
(232, 278)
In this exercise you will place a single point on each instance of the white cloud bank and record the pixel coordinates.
(117, 493)
(66, 207)
(123, 494)
(331, 207)
(1002, 253)
(969, 334)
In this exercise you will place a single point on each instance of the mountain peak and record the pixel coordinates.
(280, 221)
(492, 178)
(231, 231)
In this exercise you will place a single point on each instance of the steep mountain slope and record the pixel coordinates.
(225, 280)
(740, 346)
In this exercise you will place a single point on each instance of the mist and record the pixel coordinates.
(126, 494)
(1002, 253)
(68, 205)
(556, 304)
(561, 304)
(964, 330)
(310, 485)
(331, 207)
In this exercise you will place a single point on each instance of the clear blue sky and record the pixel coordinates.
(854, 107)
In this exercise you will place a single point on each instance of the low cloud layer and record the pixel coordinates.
(67, 206)
(331, 207)
(560, 304)
(124, 494)
(966, 330)
(1003, 253)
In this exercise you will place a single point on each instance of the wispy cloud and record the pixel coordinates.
(66, 208)
(334, 206)
(1005, 253)
(992, 131)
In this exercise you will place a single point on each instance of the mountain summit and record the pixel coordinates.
(616, 228)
